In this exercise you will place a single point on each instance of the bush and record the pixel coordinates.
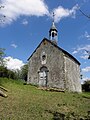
(4, 72)
(86, 86)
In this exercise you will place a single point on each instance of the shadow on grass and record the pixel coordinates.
(69, 116)
(87, 97)
(56, 115)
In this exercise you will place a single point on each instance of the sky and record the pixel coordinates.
(24, 24)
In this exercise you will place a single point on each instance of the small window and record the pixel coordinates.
(43, 57)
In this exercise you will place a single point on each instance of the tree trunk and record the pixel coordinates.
(2, 94)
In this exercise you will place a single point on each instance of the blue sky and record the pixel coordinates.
(27, 22)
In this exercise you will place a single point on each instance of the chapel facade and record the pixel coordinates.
(52, 67)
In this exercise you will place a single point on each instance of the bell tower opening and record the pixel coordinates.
(53, 33)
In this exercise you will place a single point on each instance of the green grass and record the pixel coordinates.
(26, 102)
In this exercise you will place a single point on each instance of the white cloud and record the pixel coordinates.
(13, 63)
(87, 69)
(84, 79)
(14, 9)
(85, 1)
(86, 36)
(25, 22)
(84, 56)
(81, 48)
(14, 45)
(75, 52)
(81, 51)
(61, 12)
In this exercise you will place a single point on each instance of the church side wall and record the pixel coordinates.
(72, 75)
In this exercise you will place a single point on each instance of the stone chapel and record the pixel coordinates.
(52, 67)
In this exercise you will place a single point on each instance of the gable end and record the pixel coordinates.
(65, 52)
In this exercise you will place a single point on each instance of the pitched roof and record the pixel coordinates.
(65, 52)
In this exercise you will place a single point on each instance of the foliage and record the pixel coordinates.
(4, 72)
(3, 69)
(86, 86)
(26, 102)
(2, 54)
(88, 16)
(24, 72)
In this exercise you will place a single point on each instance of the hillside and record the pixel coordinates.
(26, 102)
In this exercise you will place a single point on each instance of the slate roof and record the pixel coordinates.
(65, 52)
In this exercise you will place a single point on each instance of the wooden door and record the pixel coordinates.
(43, 77)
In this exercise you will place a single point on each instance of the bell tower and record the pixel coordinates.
(53, 33)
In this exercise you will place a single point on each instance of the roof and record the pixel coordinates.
(65, 52)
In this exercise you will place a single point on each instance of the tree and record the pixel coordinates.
(3, 69)
(4, 72)
(88, 16)
(86, 86)
(24, 72)
(2, 55)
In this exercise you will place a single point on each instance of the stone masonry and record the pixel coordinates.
(51, 66)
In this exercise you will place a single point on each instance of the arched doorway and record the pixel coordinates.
(43, 76)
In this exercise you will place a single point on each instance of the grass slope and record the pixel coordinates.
(25, 102)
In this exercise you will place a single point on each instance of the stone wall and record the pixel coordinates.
(72, 75)
(54, 63)
(63, 70)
